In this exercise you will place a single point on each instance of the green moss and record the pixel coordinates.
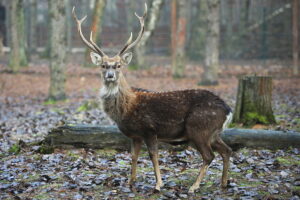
(247, 183)
(45, 149)
(88, 105)
(2, 155)
(251, 118)
(73, 156)
(106, 153)
(145, 169)
(280, 116)
(288, 160)
(87, 172)
(42, 196)
(15, 149)
(57, 110)
(296, 188)
(32, 177)
(232, 125)
(37, 157)
(50, 102)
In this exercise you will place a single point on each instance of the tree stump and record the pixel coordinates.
(254, 101)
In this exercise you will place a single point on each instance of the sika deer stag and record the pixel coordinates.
(187, 116)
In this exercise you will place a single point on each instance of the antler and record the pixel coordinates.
(129, 44)
(92, 45)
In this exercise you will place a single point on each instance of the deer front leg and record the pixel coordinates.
(135, 150)
(153, 153)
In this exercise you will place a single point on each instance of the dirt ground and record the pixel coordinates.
(27, 116)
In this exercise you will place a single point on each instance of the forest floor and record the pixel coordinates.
(26, 116)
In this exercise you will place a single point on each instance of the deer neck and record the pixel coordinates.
(117, 98)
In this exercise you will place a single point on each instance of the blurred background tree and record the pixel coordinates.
(179, 26)
(211, 63)
(150, 25)
(95, 26)
(178, 33)
(57, 49)
(18, 56)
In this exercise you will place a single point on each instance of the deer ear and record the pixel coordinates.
(126, 58)
(96, 58)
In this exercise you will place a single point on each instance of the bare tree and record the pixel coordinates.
(1, 45)
(179, 38)
(295, 37)
(69, 25)
(139, 50)
(96, 25)
(57, 49)
(210, 75)
(17, 56)
(197, 30)
(32, 44)
(2, 27)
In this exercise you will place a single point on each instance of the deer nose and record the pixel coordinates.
(110, 75)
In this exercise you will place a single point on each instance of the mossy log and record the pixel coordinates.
(90, 136)
(254, 101)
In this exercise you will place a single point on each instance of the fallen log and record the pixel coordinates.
(90, 136)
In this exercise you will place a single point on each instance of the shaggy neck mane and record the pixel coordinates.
(118, 96)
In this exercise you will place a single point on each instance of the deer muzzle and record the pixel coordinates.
(110, 76)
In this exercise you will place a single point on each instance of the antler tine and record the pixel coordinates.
(79, 22)
(95, 45)
(128, 44)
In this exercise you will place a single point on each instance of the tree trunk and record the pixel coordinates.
(17, 56)
(151, 22)
(1, 46)
(131, 8)
(178, 59)
(88, 136)
(32, 44)
(254, 101)
(210, 75)
(196, 50)
(57, 49)
(96, 26)
(69, 25)
(173, 30)
(295, 37)
(2, 27)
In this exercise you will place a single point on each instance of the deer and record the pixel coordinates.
(192, 116)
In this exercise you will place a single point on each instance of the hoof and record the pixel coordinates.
(156, 191)
(192, 190)
(224, 185)
(131, 182)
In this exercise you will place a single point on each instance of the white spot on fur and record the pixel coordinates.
(108, 91)
(227, 121)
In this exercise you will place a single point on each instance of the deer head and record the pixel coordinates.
(111, 66)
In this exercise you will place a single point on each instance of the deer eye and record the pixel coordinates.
(118, 66)
(103, 66)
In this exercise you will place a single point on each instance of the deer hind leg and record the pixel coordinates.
(225, 151)
(153, 153)
(208, 156)
(136, 148)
